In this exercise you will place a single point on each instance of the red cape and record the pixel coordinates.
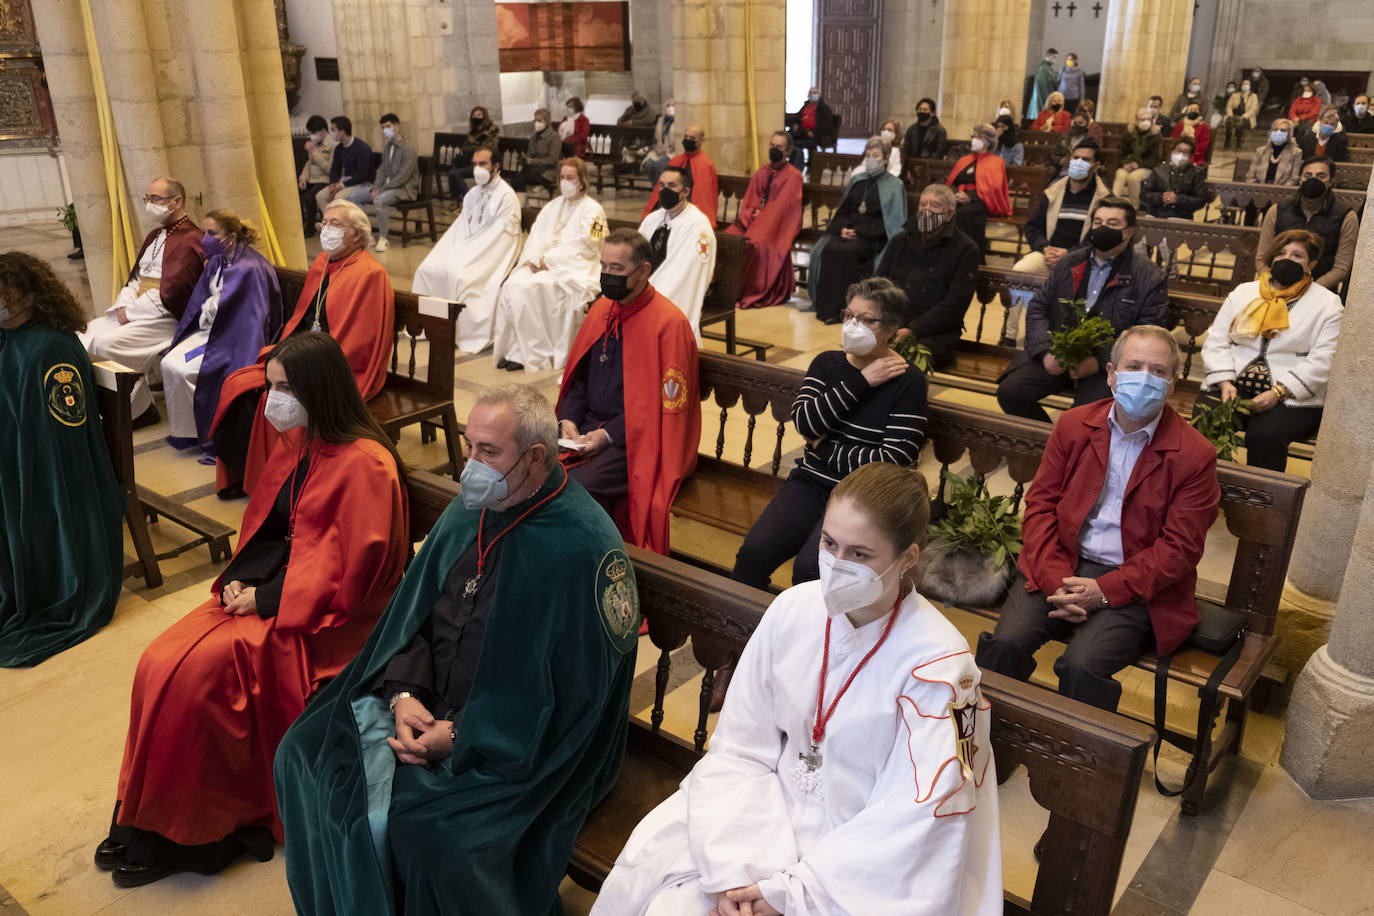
(1202, 138)
(1062, 120)
(361, 307)
(768, 276)
(662, 409)
(214, 694)
(183, 260)
(705, 184)
(991, 176)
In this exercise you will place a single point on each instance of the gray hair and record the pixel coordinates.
(1158, 333)
(878, 143)
(640, 251)
(534, 420)
(942, 191)
(987, 132)
(357, 216)
(892, 302)
(541, 113)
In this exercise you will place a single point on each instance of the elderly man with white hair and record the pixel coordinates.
(347, 295)
(138, 328)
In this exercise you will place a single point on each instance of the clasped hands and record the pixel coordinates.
(1084, 369)
(592, 442)
(1075, 599)
(421, 739)
(743, 901)
(238, 599)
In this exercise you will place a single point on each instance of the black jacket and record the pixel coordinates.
(1337, 146)
(926, 141)
(824, 133)
(1138, 293)
(1189, 183)
(937, 275)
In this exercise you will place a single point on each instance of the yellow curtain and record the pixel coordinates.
(750, 103)
(122, 245)
(271, 246)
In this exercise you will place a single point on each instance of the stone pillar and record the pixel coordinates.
(710, 76)
(63, 39)
(1146, 53)
(984, 59)
(1223, 57)
(912, 44)
(1340, 475)
(1329, 738)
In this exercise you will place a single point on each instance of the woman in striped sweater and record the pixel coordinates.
(858, 405)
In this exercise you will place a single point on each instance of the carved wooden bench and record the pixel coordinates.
(1246, 202)
(1084, 765)
(1260, 509)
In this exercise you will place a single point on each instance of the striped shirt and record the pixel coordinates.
(855, 423)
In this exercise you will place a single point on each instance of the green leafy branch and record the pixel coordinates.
(1219, 424)
(67, 215)
(1078, 335)
(917, 355)
(984, 523)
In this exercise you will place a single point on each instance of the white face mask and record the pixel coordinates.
(318, 138)
(331, 238)
(857, 338)
(481, 176)
(337, 137)
(888, 135)
(540, 125)
(388, 132)
(873, 166)
(1145, 124)
(977, 144)
(1244, 87)
(1003, 111)
(848, 586)
(284, 412)
(1179, 159)
(569, 188)
(670, 111)
(157, 212)
(1360, 109)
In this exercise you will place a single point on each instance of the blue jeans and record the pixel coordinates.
(383, 202)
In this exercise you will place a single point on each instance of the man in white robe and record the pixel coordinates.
(476, 252)
(684, 246)
(545, 298)
(139, 326)
(896, 815)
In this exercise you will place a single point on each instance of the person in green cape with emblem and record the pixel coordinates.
(61, 551)
(449, 768)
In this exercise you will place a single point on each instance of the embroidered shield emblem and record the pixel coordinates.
(65, 395)
(703, 248)
(617, 599)
(674, 389)
(962, 717)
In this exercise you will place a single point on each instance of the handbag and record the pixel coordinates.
(1220, 630)
(1255, 379)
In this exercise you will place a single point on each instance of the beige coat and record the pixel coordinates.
(1243, 105)
(1290, 164)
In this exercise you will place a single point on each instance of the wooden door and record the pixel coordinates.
(847, 43)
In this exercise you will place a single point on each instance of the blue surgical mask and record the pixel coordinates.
(1278, 137)
(484, 487)
(1079, 169)
(1140, 394)
(1326, 130)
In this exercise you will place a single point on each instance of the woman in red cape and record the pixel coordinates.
(979, 180)
(325, 540)
(348, 295)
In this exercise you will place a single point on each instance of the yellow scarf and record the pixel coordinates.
(1268, 315)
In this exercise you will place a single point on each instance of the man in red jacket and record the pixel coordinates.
(1115, 523)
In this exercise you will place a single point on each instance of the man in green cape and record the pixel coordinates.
(449, 768)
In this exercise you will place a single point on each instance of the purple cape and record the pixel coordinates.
(250, 314)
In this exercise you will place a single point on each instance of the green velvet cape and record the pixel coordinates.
(539, 743)
(61, 550)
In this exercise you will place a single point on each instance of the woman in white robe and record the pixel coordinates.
(893, 808)
(543, 301)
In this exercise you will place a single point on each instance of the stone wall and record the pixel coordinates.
(911, 53)
(1146, 53)
(984, 59)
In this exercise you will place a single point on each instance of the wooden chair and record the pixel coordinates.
(723, 295)
(425, 203)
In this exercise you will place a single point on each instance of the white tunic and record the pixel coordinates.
(896, 824)
(686, 272)
(472, 259)
(538, 312)
(148, 304)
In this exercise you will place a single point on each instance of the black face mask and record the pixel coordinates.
(639, 106)
(668, 198)
(477, 122)
(775, 155)
(923, 116)
(689, 145)
(1313, 189)
(1286, 271)
(615, 286)
(1056, 106)
(1194, 115)
(1105, 238)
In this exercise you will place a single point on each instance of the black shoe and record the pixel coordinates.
(128, 874)
(77, 255)
(181, 443)
(233, 491)
(515, 367)
(109, 854)
(502, 363)
(149, 417)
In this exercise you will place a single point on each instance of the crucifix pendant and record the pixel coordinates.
(812, 759)
(604, 357)
(470, 588)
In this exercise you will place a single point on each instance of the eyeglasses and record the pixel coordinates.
(867, 321)
(154, 199)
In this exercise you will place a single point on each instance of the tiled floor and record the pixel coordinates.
(1260, 846)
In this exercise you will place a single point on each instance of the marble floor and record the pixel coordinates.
(1260, 845)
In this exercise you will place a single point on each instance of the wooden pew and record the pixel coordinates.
(406, 396)
(1246, 202)
(114, 389)
(1190, 253)
(1084, 764)
(1360, 154)
(1350, 176)
(1260, 508)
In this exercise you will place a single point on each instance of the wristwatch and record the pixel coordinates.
(397, 697)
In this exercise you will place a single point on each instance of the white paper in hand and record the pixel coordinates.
(571, 445)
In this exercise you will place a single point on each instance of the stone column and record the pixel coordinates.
(984, 60)
(710, 76)
(1340, 475)
(1329, 740)
(63, 39)
(912, 44)
(1146, 53)
(1223, 67)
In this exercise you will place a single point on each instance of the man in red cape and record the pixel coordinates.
(348, 295)
(705, 184)
(770, 218)
(636, 418)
